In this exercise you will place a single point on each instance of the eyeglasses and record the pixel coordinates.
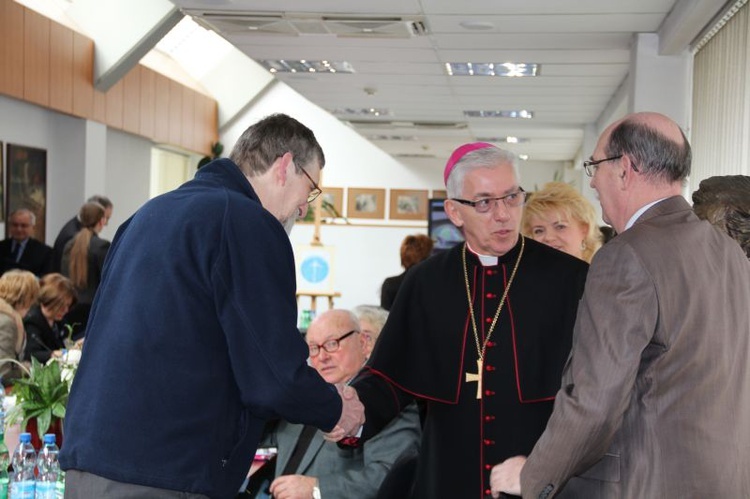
(316, 191)
(484, 205)
(589, 166)
(330, 346)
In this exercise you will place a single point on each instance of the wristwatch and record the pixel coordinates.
(316, 492)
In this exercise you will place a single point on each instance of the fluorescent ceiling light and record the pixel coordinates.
(521, 113)
(523, 157)
(305, 66)
(509, 139)
(507, 69)
(369, 111)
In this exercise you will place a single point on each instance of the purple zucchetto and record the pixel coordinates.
(459, 153)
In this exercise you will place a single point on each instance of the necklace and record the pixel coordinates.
(481, 348)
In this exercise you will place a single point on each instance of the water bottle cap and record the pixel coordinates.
(25, 437)
(49, 438)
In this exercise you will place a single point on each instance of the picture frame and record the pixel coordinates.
(332, 205)
(26, 185)
(365, 203)
(408, 204)
(439, 194)
(314, 269)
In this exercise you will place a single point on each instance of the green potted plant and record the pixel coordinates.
(41, 398)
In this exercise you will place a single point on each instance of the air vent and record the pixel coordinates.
(296, 24)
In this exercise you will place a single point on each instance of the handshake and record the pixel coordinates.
(352, 415)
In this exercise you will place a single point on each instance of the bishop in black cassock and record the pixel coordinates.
(487, 380)
(427, 348)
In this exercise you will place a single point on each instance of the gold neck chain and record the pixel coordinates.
(483, 347)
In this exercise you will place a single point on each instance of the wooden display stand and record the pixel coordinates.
(314, 299)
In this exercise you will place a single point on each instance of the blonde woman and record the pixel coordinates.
(19, 290)
(82, 262)
(559, 216)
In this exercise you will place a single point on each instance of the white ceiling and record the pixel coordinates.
(583, 47)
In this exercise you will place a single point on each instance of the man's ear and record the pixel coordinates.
(280, 167)
(628, 171)
(451, 209)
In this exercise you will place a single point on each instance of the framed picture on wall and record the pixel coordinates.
(365, 203)
(439, 194)
(333, 202)
(26, 184)
(408, 204)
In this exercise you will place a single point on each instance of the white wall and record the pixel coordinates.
(81, 155)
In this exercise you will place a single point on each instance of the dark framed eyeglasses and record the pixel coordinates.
(484, 205)
(330, 346)
(590, 165)
(316, 190)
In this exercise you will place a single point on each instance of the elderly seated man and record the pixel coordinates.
(307, 466)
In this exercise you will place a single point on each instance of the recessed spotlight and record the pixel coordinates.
(523, 157)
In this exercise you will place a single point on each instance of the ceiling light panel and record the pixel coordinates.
(305, 66)
(506, 69)
(521, 113)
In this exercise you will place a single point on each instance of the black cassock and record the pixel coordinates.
(427, 346)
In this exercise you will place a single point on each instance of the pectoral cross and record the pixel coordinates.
(470, 378)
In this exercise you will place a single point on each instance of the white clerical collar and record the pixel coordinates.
(640, 212)
(485, 260)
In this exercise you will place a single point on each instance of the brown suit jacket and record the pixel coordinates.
(655, 398)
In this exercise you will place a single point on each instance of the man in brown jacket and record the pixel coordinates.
(655, 398)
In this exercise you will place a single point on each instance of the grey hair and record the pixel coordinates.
(654, 154)
(18, 211)
(272, 137)
(373, 314)
(102, 200)
(489, 157)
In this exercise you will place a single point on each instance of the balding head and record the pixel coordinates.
(336, 364)
(654, 144)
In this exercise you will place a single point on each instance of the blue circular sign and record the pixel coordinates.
(314, 269)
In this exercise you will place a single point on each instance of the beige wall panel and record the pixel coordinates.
(188, 119)
(61, 68)
(83, 71)
(175, 112)
(148, 100)
(114, 98)
(11, 48)
(131, 117)
(36, 58)
(161, 118)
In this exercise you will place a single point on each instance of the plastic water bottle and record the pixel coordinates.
(22, 484)
(4, 460)
(48, 468)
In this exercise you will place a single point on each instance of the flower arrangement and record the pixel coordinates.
(44, 394)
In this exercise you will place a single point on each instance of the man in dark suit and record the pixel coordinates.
(655, 397)
(20, 250)
(71, 228)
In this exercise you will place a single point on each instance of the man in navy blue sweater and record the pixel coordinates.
(192, 341)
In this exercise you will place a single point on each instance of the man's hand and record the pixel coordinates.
(506, 476)
(293, 487)
(352, 415)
